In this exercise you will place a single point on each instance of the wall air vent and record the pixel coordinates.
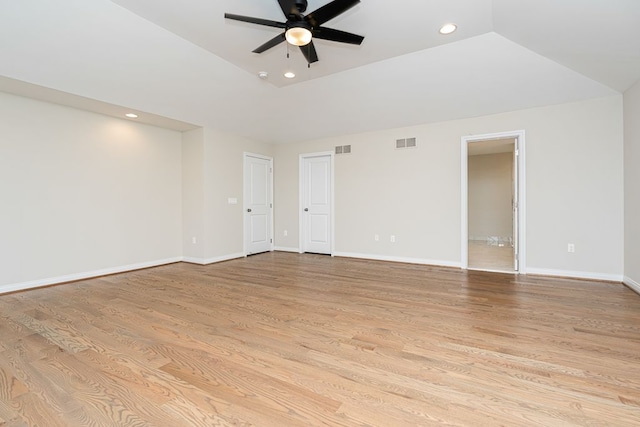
(343, 149)
(406, 143)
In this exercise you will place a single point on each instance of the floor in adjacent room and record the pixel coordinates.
(483, 256)
(285, 339)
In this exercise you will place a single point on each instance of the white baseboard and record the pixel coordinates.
(205, 261)
(84, 275)
(284, 249)
(422, 261)
(632, 284)
(575, 274)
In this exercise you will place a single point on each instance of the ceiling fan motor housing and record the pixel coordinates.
(301, 5)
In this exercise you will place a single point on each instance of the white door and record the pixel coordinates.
(316, 200)
(257, 204)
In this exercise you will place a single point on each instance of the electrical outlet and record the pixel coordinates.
(376, 237)
(194, 240)
(393, 239)
(286, 233)
(571, 248)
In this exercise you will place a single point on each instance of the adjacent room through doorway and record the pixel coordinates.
(491, 198)
(492, 192)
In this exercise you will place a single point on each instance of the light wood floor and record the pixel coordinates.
(488, 257)
(283, 339)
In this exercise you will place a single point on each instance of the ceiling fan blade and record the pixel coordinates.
(329, 11)
(258, 21)
(271, 43)
(289, 8)
(337, 35)
(309, 52)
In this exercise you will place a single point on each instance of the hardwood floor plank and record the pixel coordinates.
(52, 395)
(10, 418)
(37, 412)
(10, 386)
(281, 339)
(194, 414)
(103, 396)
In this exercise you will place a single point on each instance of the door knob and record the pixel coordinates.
(306, 209)
(249, 210)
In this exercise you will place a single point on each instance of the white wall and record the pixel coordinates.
(212, 173)
(193, 195)
(574, 157)
(83, 194)
(490, 196)
(632, 186)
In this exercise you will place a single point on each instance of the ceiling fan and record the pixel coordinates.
(300, 29)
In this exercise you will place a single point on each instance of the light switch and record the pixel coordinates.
(232, 201)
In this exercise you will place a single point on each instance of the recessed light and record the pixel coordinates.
(263, 75)
(448, 28)
(131, 115)
(289, 74)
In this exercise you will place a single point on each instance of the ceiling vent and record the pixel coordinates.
(406, 143)
(343, 149)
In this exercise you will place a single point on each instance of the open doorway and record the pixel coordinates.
(493, 190)
(490, 183)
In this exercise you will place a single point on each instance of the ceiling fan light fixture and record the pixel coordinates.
(298, 36)
(299, 29)
(448, 28)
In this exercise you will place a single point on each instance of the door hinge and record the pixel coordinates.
(517, 152)
(270, 240)
(271, 205)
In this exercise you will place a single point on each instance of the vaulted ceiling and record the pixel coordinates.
(181, 63)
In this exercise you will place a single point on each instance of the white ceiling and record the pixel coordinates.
(387, 33)
(184, 61)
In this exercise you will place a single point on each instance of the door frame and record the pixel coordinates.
(301, 217)
(519, 135)
(245, 197)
